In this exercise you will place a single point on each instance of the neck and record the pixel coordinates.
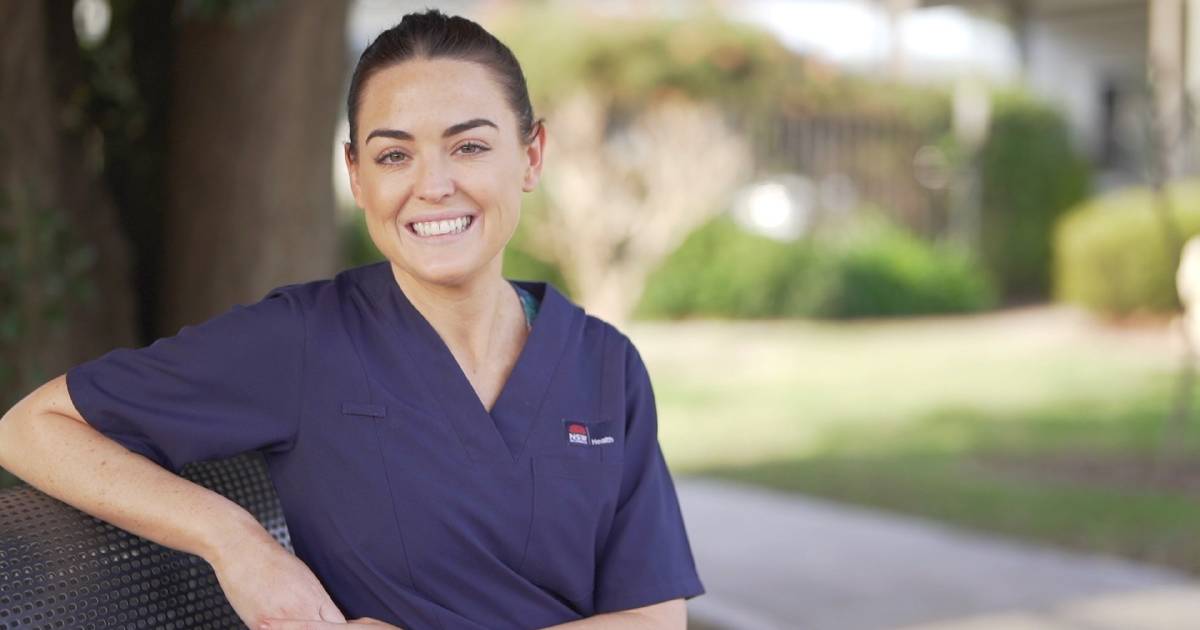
(469, 317)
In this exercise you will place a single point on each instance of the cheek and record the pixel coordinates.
(505, 206)
(384, 196)
(505, 188)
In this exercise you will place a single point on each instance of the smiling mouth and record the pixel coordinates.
(430, 229)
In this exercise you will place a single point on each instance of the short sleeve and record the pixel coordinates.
(225, 386)
(647, 558)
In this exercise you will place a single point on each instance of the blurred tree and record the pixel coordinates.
(169, 144)
(1168, 118)
(897, 11)
(605, 187)
(65, 290)
(640, 152)
(624, 202)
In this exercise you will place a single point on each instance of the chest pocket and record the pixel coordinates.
(574, 499)
(575, 493)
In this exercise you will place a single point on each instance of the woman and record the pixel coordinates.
(451, 449)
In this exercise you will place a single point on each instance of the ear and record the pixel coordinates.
(352, 169)
(534, 153)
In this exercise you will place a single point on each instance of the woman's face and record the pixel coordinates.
(439, 169)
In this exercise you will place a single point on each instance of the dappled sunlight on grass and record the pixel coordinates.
(736, 392)
(1038, 423)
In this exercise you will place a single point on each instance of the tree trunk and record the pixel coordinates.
(249, 176)
(64, 282)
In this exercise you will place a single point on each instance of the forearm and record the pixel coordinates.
(71, 461)
(622, 620)
(670, 615)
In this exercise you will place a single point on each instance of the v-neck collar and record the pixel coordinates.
(499, 436)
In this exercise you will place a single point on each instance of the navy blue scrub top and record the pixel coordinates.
(408, 499)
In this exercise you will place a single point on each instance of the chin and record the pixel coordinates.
(448, 269)
(445, 275)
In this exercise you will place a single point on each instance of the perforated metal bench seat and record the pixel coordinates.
(62, 568)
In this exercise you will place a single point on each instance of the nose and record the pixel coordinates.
(433, 181)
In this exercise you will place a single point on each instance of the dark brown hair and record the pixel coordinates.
(433, 34)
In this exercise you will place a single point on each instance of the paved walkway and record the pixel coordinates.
(775, 560)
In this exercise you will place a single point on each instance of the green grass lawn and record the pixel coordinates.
(1037, 423)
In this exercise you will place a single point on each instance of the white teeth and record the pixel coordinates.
(437, 228)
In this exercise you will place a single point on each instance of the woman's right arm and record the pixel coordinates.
(46, 442)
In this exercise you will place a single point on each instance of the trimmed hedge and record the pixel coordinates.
(1112, 251)
(1030, 177)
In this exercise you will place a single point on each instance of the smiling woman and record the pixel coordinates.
(451, 448)
(439, 181)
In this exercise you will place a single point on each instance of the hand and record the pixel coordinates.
(300, 624)
(262, 580)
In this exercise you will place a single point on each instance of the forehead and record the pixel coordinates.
(432, 92)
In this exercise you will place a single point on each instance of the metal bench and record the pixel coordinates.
(62, 568)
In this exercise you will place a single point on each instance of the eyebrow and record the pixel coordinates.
(452, 130)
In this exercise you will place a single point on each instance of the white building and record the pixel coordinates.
(1091, 58)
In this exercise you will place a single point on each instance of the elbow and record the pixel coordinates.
(18, 423)
(9, 426)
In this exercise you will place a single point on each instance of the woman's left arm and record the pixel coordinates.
(668, 615)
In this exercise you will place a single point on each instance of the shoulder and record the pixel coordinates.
(616, 340)
(595, 330)
(312, 294)
(624, 376)
(309, 308)
(616, 345)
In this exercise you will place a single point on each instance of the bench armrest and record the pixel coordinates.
(63, 568)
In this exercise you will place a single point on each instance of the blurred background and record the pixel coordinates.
(903, 271)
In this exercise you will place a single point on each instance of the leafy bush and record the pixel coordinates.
(1030, 176)
(887, 271)
(1112, 252)
(876, 270)
(721, 270)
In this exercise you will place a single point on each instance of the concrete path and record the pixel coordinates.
(775, 560)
